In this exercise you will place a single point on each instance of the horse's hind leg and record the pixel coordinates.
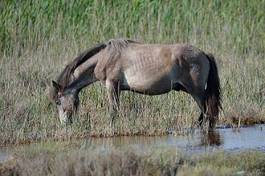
(199, 97)
(113, 93)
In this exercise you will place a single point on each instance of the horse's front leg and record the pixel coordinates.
(113, 93)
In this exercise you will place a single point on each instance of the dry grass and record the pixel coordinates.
(39, 38)
(56, 159)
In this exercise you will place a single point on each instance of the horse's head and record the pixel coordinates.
(66, 101)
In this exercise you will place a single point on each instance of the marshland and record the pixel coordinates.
(39, 38)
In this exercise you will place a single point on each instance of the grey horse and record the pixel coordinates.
(150, 69)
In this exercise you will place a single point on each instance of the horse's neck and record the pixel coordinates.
(82, 82)
(83, 75)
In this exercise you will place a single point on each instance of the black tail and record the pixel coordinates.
(213, 93)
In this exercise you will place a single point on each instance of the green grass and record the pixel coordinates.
(38, 38)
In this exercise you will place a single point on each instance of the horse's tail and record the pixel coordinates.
(213, 92)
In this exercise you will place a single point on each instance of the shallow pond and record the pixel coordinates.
(227, 139)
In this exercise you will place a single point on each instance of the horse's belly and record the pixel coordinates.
(152, 84)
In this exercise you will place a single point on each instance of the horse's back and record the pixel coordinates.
(157, 68)
(149, 68)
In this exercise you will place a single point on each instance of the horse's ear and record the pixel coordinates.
(57, 86)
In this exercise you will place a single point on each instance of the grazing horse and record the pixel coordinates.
(150, 69)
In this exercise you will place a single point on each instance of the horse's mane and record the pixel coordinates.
(64, 77)
(114, 47)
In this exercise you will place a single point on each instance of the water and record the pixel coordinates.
(245, 138)
(4, 156)
(228, 139)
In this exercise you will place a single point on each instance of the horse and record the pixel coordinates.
(150, 69)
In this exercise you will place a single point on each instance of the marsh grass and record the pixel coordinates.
(76, 159)
(38, 38)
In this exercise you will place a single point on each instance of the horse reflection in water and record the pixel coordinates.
(211, 138)
(150, 69)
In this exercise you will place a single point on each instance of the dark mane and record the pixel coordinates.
(64, 77)
(116, 45)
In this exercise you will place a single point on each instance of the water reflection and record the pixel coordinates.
(4, 157)
(197, 141)
(198, 138)
(212, 138)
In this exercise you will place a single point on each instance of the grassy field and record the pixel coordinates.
(38, 38)
(79, 159)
